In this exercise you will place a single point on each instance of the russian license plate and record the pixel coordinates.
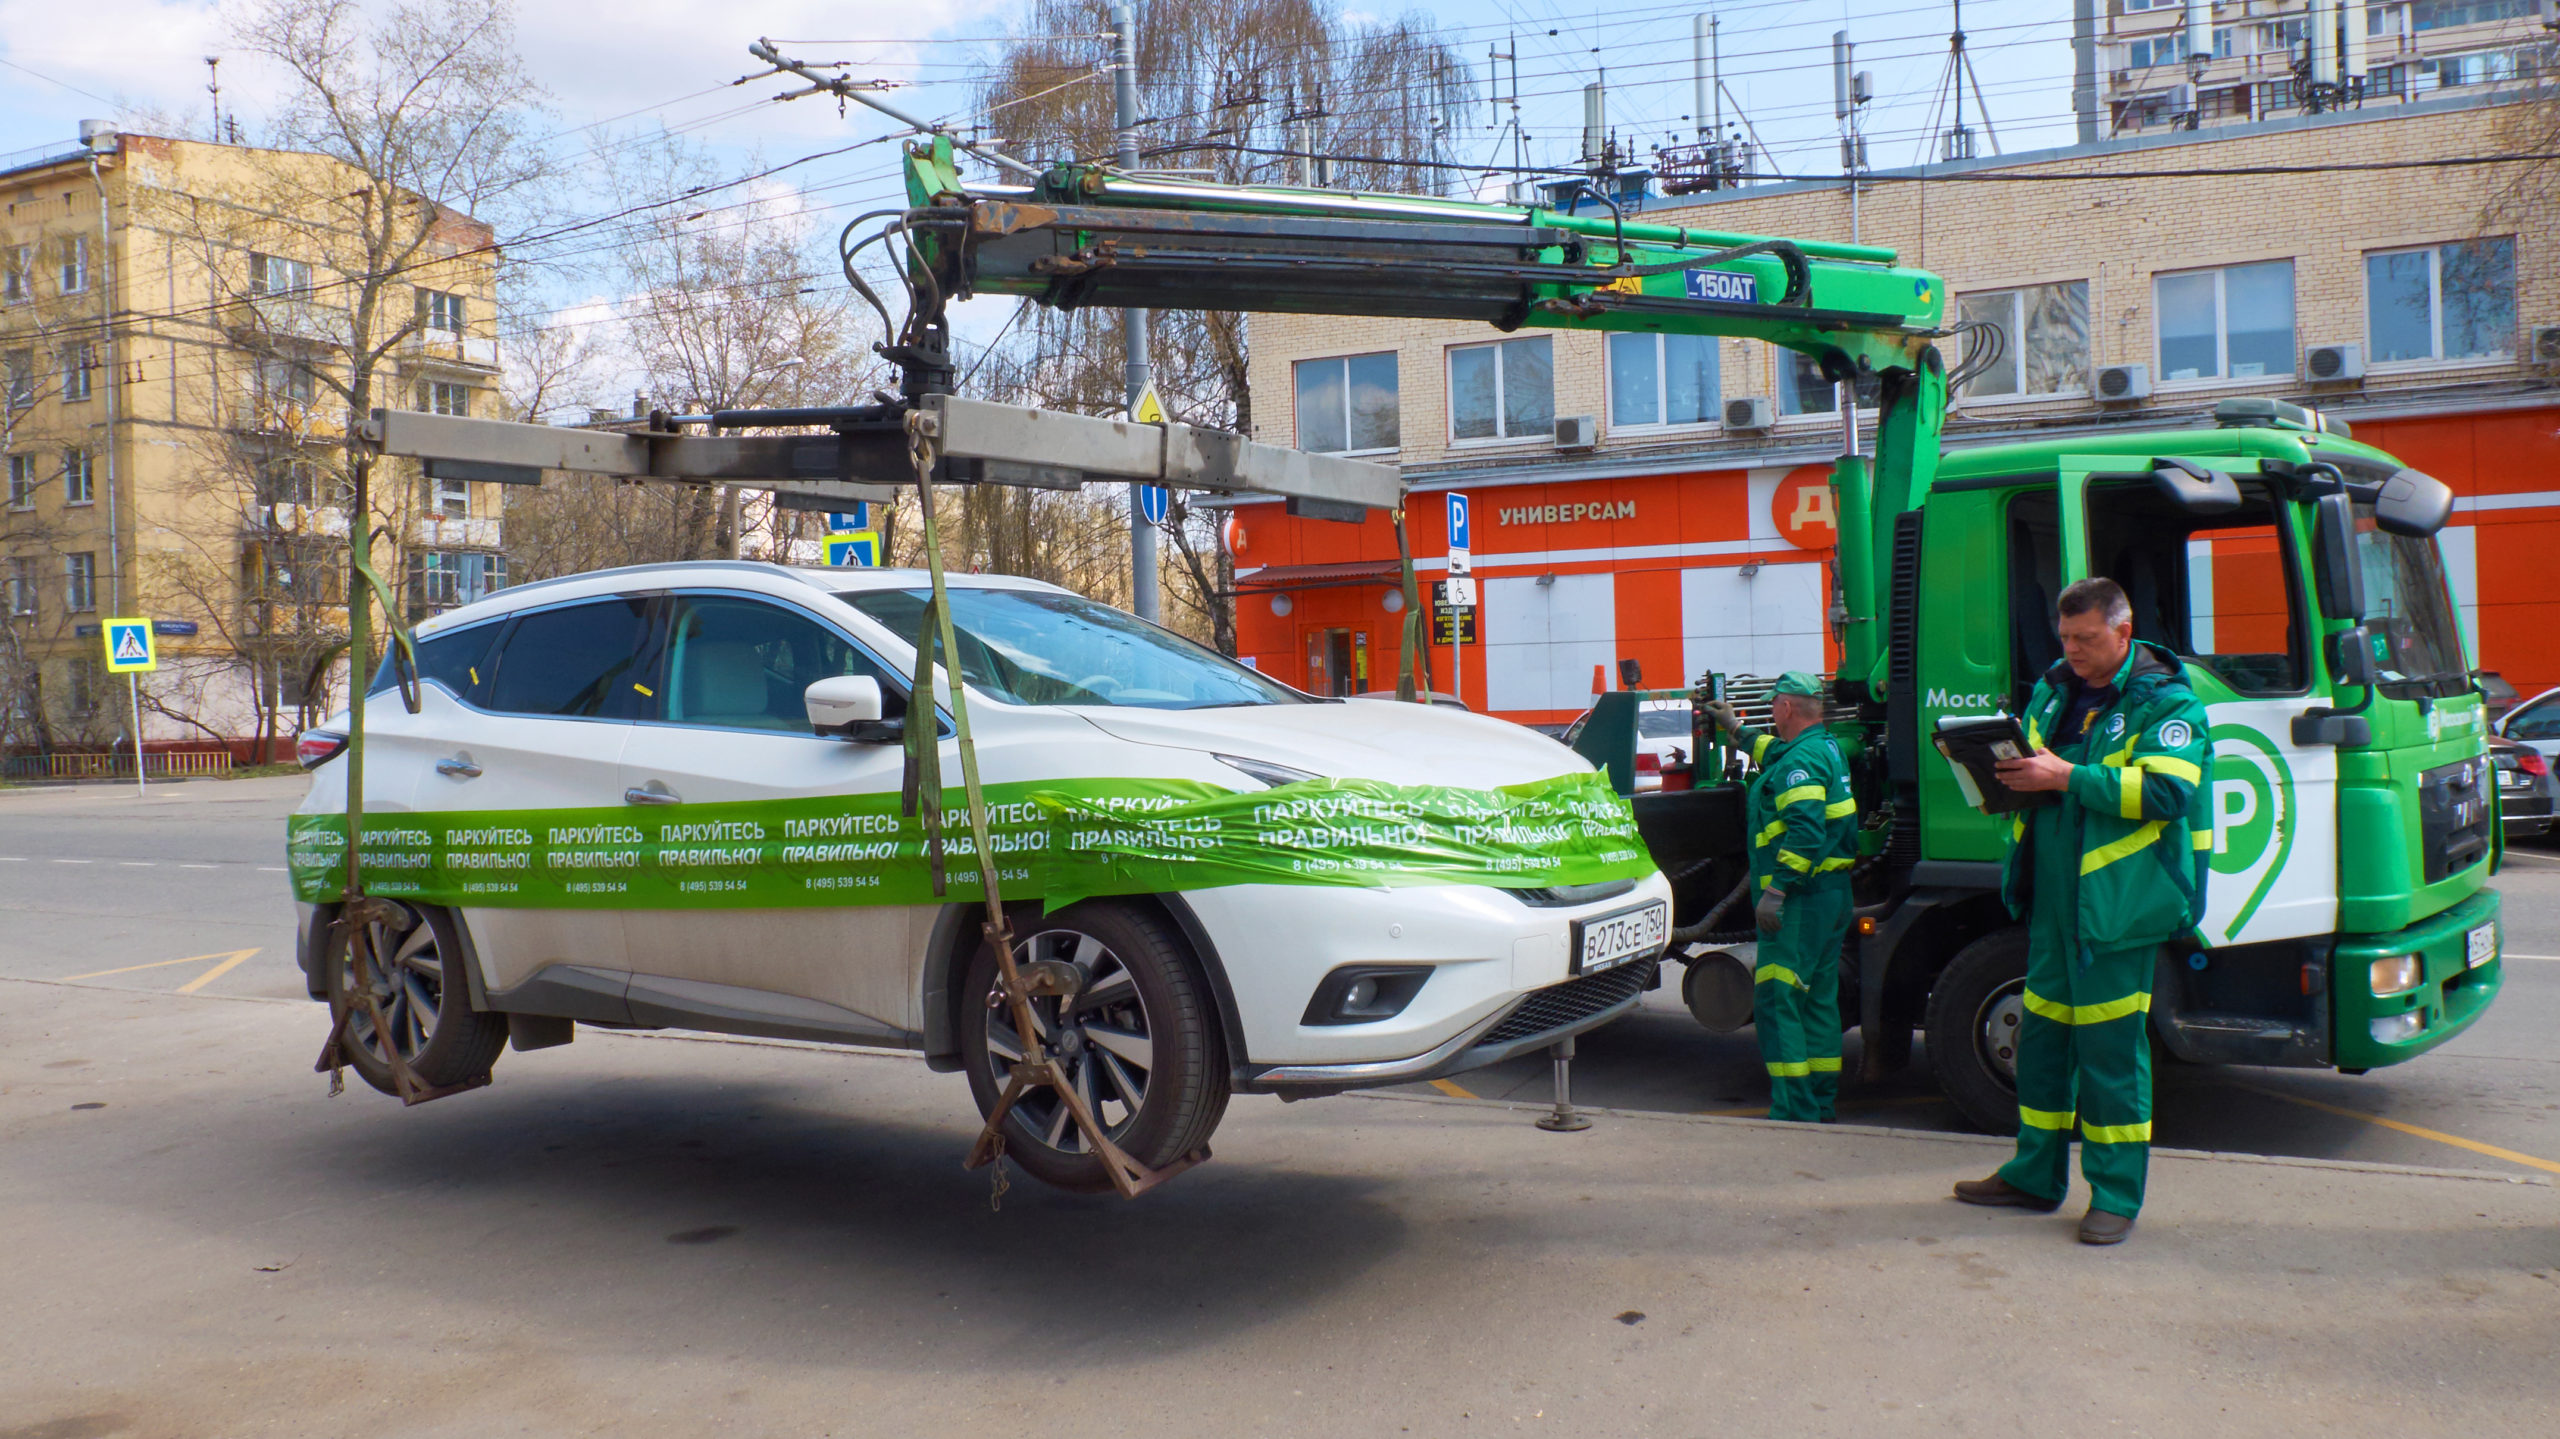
(2481, 945)
(1613, 939)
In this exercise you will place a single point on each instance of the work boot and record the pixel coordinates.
(2000, 1192)
(2100, 1227)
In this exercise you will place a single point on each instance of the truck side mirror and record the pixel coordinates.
(2340, 575)
(2413, 504)
(2195, 489)
(845, 707)
(1631, 674)
(2351, 657)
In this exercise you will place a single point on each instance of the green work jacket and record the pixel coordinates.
(1803, 824)
(2135, 810)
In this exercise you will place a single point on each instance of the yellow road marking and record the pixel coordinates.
(1452, 1089)
(237, 958)
(1761, 1111)
(2439, 1136)
(230, 958)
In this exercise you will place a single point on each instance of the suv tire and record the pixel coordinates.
(1145, 1028)
(426, 999)
(1973, 1009)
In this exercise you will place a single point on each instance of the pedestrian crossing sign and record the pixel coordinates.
(854, 547)
(129, 647)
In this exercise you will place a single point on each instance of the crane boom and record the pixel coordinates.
(1092, 235)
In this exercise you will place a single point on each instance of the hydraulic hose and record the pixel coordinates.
(1705, 932)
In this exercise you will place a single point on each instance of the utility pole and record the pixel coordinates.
(1133, 322)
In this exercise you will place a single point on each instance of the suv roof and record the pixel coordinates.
(826, 579)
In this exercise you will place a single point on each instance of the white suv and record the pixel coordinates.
(613, 807)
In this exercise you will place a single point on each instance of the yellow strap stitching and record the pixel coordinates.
(2172, 766)
(1795, 861)
(2046, 1118)
(1840, 809)
(2129, 793)
(2107, 854)
(2117, 1133)
(1799, 795)
(1779, 972)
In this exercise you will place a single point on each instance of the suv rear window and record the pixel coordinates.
(457, 659)
(581, 661)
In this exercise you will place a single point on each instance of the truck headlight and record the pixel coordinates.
(2397, 974)
(2390, 1029)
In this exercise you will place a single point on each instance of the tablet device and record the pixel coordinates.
(1974, 745)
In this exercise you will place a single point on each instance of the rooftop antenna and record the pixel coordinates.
(213, 87)
(1957, 142)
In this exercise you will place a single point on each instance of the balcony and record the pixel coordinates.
(447, 349)
(291, 519)
(436, 532)
(293, 319)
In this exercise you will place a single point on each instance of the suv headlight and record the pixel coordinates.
(1273, 775)
(2397, 974)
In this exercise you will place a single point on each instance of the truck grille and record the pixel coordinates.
(1559, 1005)
(2454, 814)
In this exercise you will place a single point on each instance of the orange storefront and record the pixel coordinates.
(1728, 569)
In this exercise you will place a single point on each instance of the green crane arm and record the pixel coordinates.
(1089, 235)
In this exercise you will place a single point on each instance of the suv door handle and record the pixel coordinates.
(459, 766)
(654, 792)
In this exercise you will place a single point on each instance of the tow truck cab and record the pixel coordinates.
(2349, 924)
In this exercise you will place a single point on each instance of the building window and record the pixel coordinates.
(449, 499)
(80, 581)
(22, 587)
(2164, 49)
(1803, 391)
(18, 371)
(1663, 380)
(2444, 302)
(79, 363)
(275, 275)
(287, 382)
(440, 311)
(79, 477)
(74, 267)
(2044, 331)
(442, 579)
(440, 397)
(17, 274)
(2480, 67)
(22, 482)
(2232, 323)
(2443, 14)
(1504, 391)
(1347, 404)
(300, 572)
(84, 679)
(292, 480)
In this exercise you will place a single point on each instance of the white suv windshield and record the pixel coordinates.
(1035, 647)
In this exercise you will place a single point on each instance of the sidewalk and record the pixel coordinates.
(639, 1235)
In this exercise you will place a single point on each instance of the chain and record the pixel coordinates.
(998, 1183)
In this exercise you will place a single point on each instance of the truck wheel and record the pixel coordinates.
(1974, 1012)
(1141, 1044)
(425, 999)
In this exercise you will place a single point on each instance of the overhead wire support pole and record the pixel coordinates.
(1133, 320)
(867, 93)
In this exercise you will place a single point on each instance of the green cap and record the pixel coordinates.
(1797, 682)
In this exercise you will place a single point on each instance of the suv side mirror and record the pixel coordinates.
(845, 707)
(2340, 575)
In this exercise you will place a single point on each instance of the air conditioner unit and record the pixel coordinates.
(2334, 362)
(1751, 414)
(2124, 382)
(2546, 345)
(1577, 432)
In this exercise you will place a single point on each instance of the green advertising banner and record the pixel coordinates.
(1057, 841)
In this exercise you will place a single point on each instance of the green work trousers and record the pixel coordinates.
(1796, 1001)
(2083, 1062)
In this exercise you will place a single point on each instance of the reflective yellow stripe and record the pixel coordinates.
(2035, 736)
(2018, 825)
(1789, 1069)
(2117, 1133)
(2204, 839)
(2088, 1013)
(1799, 795)
(1828, 865)
(1840, 809)
(1795, 861)
(2129, 793)
(2107, 854)
(1827, 1065)
(1759, 746)
(1780, 973)
(1768, 832)
(2172, 766)
(2046, 1118)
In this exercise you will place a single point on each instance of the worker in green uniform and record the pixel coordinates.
(1804, 835)
(2104, 876)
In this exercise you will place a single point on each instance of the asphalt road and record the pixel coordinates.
(639, 1235)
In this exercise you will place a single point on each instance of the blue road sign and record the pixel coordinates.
(1155, 502)
(862, 547)
(1458, 522)
(859, 518)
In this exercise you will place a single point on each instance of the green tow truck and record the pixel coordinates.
(2350, 925)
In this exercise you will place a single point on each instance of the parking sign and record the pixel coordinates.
(1458, 539)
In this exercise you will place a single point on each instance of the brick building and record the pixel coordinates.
(172, 316)
(2139, 281)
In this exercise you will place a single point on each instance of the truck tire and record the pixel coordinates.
(1973, 1016)
(425, 997)
(1144, 1046)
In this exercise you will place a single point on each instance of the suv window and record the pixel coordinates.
(583, 661)
(2540, 720)
(458, 660)
(742, 664)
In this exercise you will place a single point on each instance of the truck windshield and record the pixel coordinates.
(1038, 647)
(2407, 601)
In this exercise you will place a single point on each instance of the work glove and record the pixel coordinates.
(1727, 719)
(1771, 911)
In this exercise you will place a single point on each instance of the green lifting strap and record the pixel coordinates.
(403, 646)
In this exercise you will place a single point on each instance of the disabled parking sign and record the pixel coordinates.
(129, 647)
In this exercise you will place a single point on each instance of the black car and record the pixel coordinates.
(2527, 790)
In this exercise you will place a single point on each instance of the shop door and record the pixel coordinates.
(1337, 661)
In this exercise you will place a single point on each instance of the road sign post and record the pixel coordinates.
(131, 650)
(1460, 563)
